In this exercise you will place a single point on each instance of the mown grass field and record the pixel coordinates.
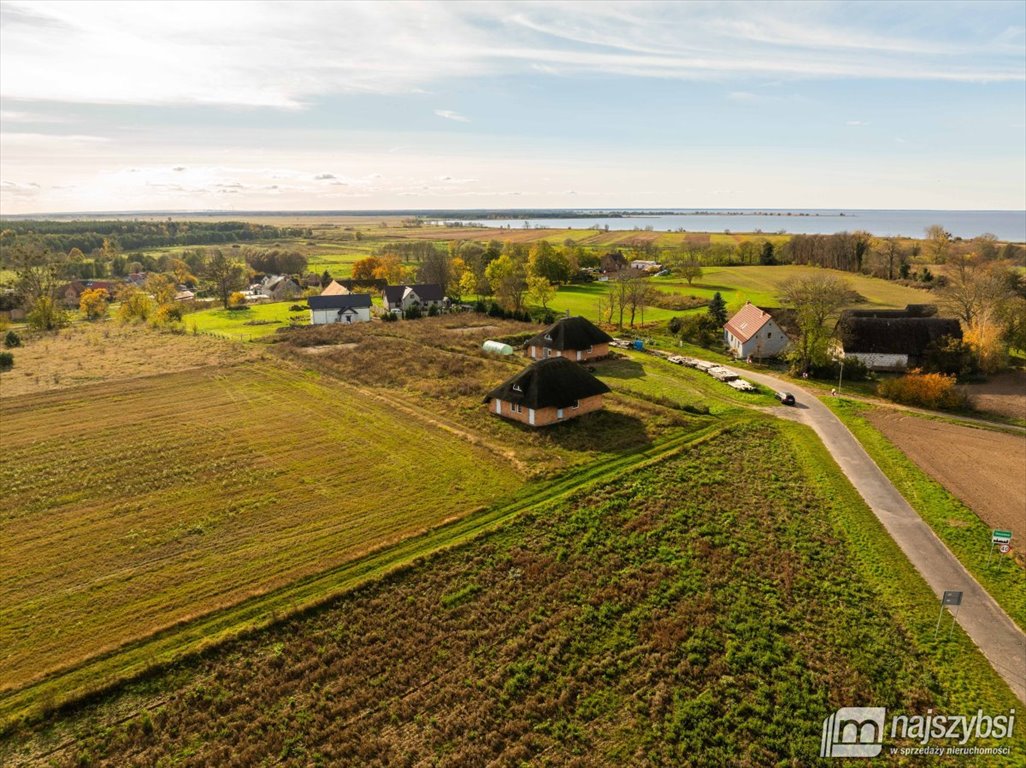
(254, 322)
(708, 608)
(131, 506)
(757, 284)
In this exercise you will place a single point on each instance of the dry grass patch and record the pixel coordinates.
(87, 353)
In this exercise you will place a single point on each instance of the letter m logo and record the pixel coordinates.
(853, 732)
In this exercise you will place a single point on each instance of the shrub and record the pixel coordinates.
(94, 303)
(925, 390)
(480, 308)
(46, 314)
(6, 361)
(949, 355)
(298, 308)
(413, 313)
(433, 310)
(389, 317)
(135, 305)
(549, 318)
(495, 311)
(12, 340)
(237, 301)
(854, 370)
(701, 329)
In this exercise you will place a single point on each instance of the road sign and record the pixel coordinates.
(951, 597)
(1003, 549)
(1000, 537)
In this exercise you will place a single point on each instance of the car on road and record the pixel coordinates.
(786, 398)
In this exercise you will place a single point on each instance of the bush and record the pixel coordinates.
(480, 308)
(925, 390)
(12, 340)
(237, 301)
(701, 329)
(389, 317)
(495, 311)
(949, 355)
(433, 310)
(854, 370)
(413, 313)
(549, 318)
(46, 315)
(298, 308)
(6, 361)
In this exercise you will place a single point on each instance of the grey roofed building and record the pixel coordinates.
(893, 339)
(340, 301)
(552, 383)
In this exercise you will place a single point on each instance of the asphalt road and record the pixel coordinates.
(996, 635)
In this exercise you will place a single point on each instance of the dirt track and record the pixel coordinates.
(983, 468)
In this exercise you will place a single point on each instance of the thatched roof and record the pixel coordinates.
(570, 333)
(552, 383)
(894, 335)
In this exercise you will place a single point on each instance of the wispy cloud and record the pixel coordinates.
(448, 114)
(213, 53)
(856, 123)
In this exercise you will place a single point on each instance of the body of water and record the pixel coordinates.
(1005, 225)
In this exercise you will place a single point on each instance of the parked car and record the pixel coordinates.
(786, 398)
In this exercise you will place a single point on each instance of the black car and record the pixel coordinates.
(786, 398)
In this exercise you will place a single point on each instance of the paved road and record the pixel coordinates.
(1000, 640)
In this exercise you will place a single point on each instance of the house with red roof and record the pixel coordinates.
(753, 332)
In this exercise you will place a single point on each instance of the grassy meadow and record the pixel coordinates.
(719, 601)
(254, 322)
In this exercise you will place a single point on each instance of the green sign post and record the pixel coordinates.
(1001, 537)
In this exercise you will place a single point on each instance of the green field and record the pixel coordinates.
(759, 285)
(254, 322)
(129, 507)
(712, 605)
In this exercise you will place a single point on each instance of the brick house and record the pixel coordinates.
(547, 392)
(575, 338)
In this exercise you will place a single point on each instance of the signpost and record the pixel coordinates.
(951, 597)
(1003, 539)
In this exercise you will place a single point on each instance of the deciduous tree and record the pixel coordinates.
(815, 300)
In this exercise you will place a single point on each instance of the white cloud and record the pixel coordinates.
(448, 114)
(259, 54)
(856, 123)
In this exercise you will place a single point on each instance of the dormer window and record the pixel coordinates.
(548, 337)
(516, 388)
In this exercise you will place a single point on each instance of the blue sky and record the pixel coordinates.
(292, 106)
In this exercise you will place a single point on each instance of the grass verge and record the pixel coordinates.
(958, 527)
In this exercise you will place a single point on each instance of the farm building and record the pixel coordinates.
(335, 289)
(612, 262)
(575, 338)
(646, 265)
(73, 291)
(350, 308)
(893, 340)
(753, 332)
(401, 298)
(547, 392)
(280, 287)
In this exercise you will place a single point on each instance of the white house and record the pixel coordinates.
(401, 298)
(753, 332)
(347, 309)
(645, 265)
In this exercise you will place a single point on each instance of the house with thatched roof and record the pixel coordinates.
(893, 339)
(347, 309)
(547, 392)
(575, 338)
(757, 332)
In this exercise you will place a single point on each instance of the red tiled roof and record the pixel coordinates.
(747, 322)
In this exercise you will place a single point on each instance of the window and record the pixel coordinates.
(517, 408)
(576, 405)
(516, 388)
(769, 334)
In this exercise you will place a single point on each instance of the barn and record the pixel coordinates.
(893, 340)
(547, 392)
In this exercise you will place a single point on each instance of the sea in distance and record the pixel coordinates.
(1005, 225)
